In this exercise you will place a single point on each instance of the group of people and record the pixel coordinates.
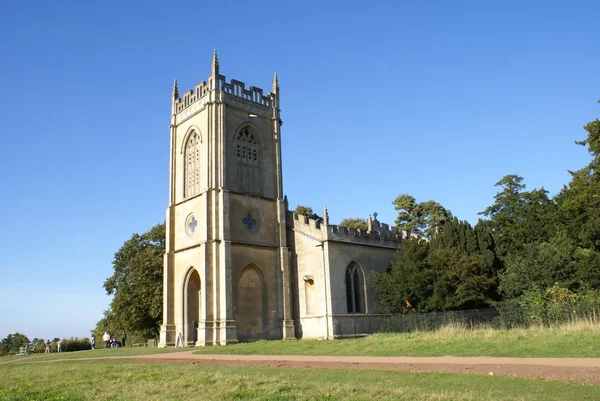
(49, 346)
(109, 340)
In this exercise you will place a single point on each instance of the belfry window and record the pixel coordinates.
(248, 161)
(192, 166)
(354, 289)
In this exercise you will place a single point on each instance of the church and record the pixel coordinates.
(238, 264)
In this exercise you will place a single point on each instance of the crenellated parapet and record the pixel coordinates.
(235, 88)
(238, 89)
(191, 97)
(383, 237)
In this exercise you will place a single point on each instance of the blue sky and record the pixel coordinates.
(437, 99)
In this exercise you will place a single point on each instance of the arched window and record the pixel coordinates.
(354, 289)
(192, 166)
(248, 161)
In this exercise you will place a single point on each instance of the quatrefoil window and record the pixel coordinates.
(250, 222)
(190, 224)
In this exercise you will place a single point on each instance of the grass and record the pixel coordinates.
(126, 380)
(579, 339)
(98, 353)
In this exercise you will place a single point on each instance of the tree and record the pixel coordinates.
(409, 284)
(422, 219)
(137, 285)
(12, 342)
(579, 213)
(307, 211)
(518, 217)
(354, 223)
(464, 267)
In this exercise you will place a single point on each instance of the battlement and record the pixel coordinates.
(191, 96)
(320, 231)
(345, 234)
(238, 89)
(234, 88)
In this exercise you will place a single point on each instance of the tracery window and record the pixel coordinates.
(192, 165)
(248, 161)
(354, 289)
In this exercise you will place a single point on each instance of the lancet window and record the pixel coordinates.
(354, 289)
(248, 161)
(192, 165)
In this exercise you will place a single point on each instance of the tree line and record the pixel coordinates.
(526, 242)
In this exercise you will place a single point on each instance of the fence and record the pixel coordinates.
(497, 318)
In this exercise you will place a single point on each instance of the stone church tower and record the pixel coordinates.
(227, 263)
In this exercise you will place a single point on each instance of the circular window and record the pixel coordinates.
(190, 224)
(250, 221)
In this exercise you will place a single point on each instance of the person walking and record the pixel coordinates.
(47, 347)
(106, 339)
(123, 338)
(59, 349)
(93, 342)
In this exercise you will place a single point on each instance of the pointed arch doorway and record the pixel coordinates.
(192, 299)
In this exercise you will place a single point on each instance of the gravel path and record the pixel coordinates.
(580, 370)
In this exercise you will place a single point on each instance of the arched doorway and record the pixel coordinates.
(251, 304)
(192, 307)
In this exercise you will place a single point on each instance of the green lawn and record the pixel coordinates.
(98, 353)
(577, 340)
(127, 380)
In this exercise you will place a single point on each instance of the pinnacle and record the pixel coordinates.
(175, 90)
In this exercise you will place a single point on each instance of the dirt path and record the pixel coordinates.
(580, 370)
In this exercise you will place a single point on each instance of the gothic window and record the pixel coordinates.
(354, 289)
(248, 161)
(192, 166)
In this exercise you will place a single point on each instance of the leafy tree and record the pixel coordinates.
(409, 284)
(12, 342)
(579, 212)
(456, 270)
(354, 223)
(137, 285)
(307, 211)
(523, 224)
(518, 217)
(464, 267)
(423, 219)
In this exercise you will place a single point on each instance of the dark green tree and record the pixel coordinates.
(579, 213)
(464, 267)
(422, 219)
(354, 223)
(307, 211)
(137, 285)
(518, 217)
(409, 284)
(12, 342)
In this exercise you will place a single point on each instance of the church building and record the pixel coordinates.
(238, 265)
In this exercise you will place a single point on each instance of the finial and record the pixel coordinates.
(215, 65)
(285, 198)
(175, 90)
(325, 216)
(369, 224)
(275, 83)
(375, 215)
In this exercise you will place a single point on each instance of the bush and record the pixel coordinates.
(74, 344)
